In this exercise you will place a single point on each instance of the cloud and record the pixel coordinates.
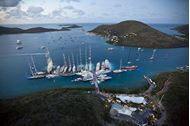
(35, 10)
(117, 5)
(78, 12)
(74, 10)
(69, 7)
(68, 1)
(57, 13)
(17, 13)
(9, 3)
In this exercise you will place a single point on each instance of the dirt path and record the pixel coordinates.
(157, 101)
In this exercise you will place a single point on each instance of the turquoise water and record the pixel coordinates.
(14, 68)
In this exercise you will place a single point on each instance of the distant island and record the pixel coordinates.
(6, 30)
(70, 26)
(183, 29)
(137, 34)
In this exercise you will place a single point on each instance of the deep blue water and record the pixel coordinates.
(14, 68)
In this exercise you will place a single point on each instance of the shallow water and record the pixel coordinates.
(14, 67)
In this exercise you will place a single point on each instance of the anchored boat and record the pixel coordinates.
(34, 73)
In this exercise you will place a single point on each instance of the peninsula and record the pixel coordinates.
(183, 29)
(70, 26)
(7, 30)
(137, 34)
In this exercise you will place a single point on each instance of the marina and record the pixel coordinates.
(74, 57)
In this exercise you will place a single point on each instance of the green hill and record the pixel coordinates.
(176, 98)
(60, 107)
(138, 34)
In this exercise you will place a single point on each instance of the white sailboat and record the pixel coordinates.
(18, 42)
(153, 53)
(49, 65)
(74, 67)
(103, 65)
(119, 70)
(50, 75)
(81, 67)
(86, 65)
(90, 60)
(77, 63)
(65, 64)
(107, 64)
(129, 67)
(35, 74)
(98, 66)
(138, 55)
(70, 67)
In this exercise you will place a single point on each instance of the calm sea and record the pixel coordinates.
(14, 68)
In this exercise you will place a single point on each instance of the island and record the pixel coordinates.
(137, 34)
(183, 29)
(7, 30)
(70, 26)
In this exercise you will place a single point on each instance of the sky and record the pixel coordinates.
(93, 11)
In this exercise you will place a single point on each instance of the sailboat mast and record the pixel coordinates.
(86, 56)
(30, 68)
(128, 55)
(120, 63)
(73, 60)
(80, 56)
(77, 63)
(33, 64)
(90, 54)
(64, 59)
(69, 61)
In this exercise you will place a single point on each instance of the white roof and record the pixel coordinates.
(134, 99)
(123, 110)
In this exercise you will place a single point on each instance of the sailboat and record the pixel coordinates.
(86, 65)
(90, 60)
(98, 66)
(119, 70)
(129, 67)
(70, 67)
(74, 67)
(68, 71)
(50, 75)
(138, 51)
(153, 53)
(81, 67)
(35, 74)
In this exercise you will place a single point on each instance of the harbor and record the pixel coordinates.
(74, 66)
(74, 57)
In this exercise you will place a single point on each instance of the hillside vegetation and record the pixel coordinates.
(138, 34)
